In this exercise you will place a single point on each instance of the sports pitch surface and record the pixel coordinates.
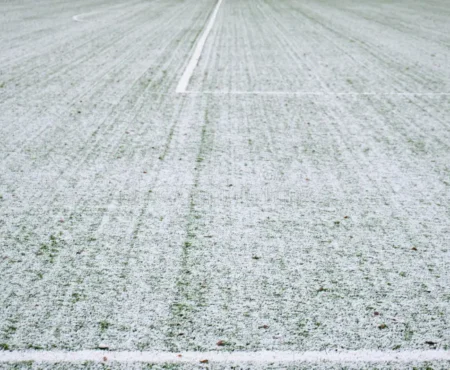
(202, 184)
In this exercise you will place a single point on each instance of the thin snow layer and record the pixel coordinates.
(298, 200)
(316, 224)
(326, 46)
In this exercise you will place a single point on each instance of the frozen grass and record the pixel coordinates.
(294, 198)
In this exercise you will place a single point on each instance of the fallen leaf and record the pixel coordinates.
(221, 343)
(376, 313)
(204, 361)
(105, 358)
(263, 327)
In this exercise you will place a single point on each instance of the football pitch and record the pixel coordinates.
(224, 184)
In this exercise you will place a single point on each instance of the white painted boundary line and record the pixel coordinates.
(287, 93)
(76, 18)
(184, 80)
(262, 357)
(294, 93)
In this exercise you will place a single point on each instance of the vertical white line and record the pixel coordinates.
(184, 80)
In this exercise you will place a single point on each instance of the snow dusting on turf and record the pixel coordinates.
(293, 197)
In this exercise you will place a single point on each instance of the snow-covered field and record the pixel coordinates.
(252, 183)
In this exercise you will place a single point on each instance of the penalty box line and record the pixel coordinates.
(261, 357)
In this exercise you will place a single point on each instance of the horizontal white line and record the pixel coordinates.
(184, 80)
(287, 93)
(309, 93)
(261, 357)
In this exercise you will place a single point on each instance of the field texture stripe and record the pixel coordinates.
(184, 80)
(261, 357)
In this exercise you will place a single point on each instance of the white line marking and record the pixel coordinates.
(79, 17)
(308, 93)
(76, 18)
(262, 357)
(184, 80)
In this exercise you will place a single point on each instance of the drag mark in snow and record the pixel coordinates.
(184, 80)
(262, 357)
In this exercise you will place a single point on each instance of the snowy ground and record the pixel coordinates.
(293, 196)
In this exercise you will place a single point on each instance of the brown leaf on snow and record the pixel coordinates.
(204, 361)
(221, 343)
(105, 358)
(263, 327)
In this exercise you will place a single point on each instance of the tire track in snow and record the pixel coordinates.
(190, 293)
